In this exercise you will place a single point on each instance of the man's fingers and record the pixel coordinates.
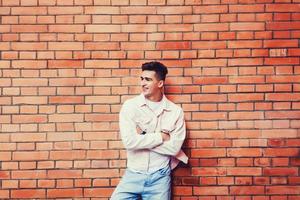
(139, 130)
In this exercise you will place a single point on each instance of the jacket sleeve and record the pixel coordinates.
(173, 146)
(130, 138)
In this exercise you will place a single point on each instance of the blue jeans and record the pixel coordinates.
(154, 186)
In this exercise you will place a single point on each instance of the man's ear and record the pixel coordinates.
(161, 84)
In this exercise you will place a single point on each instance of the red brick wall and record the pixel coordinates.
(67, 65)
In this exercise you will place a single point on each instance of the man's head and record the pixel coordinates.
(160, 69)
(152, 79)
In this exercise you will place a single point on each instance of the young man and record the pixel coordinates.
(152, 130)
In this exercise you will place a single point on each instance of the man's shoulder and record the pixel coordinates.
(132, 101)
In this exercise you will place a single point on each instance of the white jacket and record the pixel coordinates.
(135, 112)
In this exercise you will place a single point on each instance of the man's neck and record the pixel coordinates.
(155, 98)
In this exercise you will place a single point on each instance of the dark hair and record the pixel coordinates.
(160, 69)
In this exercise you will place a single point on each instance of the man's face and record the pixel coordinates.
(151, 86)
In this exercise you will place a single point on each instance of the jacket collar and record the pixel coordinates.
(165, 106)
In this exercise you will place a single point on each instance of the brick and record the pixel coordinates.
(64, 173)
(246, 8)
(280, 43)
(65, 46)
(280, 171)
(211, 27)
(28, 46)
(209, 45)
(100, 173)
(182, 190)
(210, 9)
(207, 181)
(63, 136)
(282, 115)
(103, 154)
(282, 7)
(26, 156)
(70, 29)
(245, 61)
(28, 174)
(5, 156)
(282, 25)
(101, 64)
(101, 46)
(66, 118)
(209, 62)
(245, 97)
(139, 28)
(209, 116)
(283, 79)
(4, 175)
(65, 100)
(173, 45)
(282, 97)
(27, 64)
(28, 28)
(28, 193)
(210, 80)
(103, 81)
(27, 137)
(213, 190)
(29, 10)
(275, 152)
(242, 134)
(60, 193)
(178, 10)
(5, 101)
(67, 155)
(102, 10)
(98, 192)
(143, 10)
(208, 153)
(281, 61)
(243, 26)
(283, 190)
(244, 171)
(245, 115)
(66, 81)
(209, 171)
(245, 44)
(246, 190)
(65, 10)
(244, 152)
(30, 82)
(103, 28)
(29, 118)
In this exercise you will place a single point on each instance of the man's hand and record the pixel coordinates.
(138, 130)
(165, 136)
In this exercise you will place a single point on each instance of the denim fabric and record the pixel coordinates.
(152, 186)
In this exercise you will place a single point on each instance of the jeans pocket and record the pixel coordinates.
(165, 171)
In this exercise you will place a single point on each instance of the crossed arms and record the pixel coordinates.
(159, 142)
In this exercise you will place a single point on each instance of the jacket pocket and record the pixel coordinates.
(143, 123)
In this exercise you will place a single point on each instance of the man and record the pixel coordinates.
(152, 130)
